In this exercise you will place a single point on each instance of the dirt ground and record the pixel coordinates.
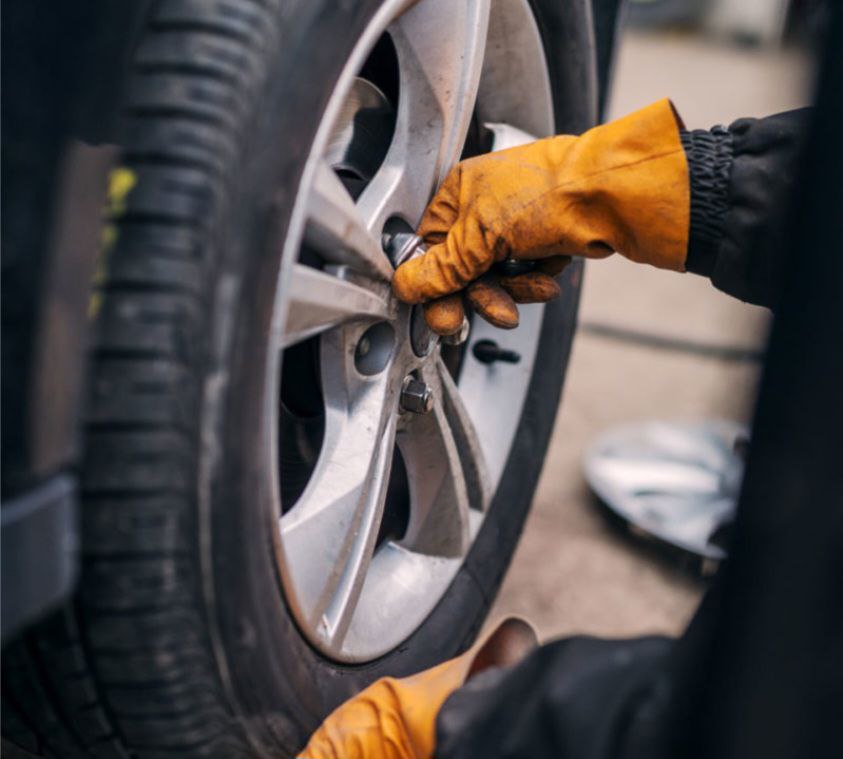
(572, 572)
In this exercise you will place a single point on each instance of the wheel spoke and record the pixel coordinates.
(440, 68)
(445, 470)
(529, 106)
(328, 537)
(318, 301)
(335, 228)
(473, 460)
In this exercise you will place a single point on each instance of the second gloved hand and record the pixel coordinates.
(395, 718)
(620, 187)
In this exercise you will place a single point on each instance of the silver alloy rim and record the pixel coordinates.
(355, 600)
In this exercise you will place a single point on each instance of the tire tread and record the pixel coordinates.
(128, 670)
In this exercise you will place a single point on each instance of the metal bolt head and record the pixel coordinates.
(416, 396)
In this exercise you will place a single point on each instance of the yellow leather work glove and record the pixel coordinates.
(620, 187)
(396, 718)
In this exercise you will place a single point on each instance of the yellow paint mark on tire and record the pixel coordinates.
(121, 181)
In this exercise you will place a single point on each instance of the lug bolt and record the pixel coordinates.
(488, 352)
(416, 396)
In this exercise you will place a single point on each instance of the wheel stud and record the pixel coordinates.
(416, 396)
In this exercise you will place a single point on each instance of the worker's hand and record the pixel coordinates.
(396, 718)
(621, 187)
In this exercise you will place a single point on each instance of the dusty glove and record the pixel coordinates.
(396, 718)
(620, 187)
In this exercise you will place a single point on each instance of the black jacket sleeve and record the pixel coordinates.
(587, 698)
(582, 698)
(740, 180)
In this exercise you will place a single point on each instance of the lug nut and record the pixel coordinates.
(416, 396)
(488, 352)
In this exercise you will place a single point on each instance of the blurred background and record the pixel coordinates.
(574, 572)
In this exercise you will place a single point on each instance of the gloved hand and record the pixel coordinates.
(396, 718)
(620, 187)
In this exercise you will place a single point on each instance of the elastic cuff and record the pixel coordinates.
(709, 155)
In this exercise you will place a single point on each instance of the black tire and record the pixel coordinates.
(171, 648)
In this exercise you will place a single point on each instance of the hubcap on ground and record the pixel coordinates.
(358, 578)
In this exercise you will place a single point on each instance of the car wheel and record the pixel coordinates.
(272, 518)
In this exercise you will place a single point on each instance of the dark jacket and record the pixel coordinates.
(741, 178)
(585, 698)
